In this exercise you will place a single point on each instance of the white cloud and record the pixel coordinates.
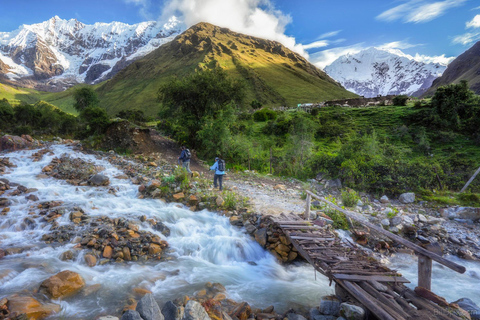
(467, 38)
(316, 44)
(398, 45)
(419, 11)
(444, 61)
(329, 34)
(475, 23)
(253, 17)
(323, 58)
(144, 6)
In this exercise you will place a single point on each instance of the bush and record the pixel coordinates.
(350, 197)
(19, 130)
(7, 114)
(95, 119)
(264, 114)
(400, 100)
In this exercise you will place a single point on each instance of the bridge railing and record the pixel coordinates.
(425, 257)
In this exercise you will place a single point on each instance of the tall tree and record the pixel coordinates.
(85, 97)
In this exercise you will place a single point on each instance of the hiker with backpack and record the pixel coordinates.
(185, 158)
(219, 167)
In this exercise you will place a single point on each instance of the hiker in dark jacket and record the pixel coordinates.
(185, 158)
(218, 173)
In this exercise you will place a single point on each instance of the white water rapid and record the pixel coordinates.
(206, 248)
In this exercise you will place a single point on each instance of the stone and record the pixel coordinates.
(280, 187)
(67, 255)
(388, 211)
(406, 198)
(99, 180)
(131, 315)
(126, 254)
(329, 305)
(384, 199)
(294, 316)
(336, 183)
(351, 312)
(13, 143)
(469, 306)
(407, 221)
(148, 308)
(141, 291)
(242, 311)
(63, 284)
(31, 307)
(422, 218)
(91, 289)
(261, 236)
(172, 312)
(395, 221)
(31, 197)
(193, 200)
(219, 201)
(108, 318)
(107, 252)
(195, 311)
(90, 260)
(360, 203)
(154, 248)
(178, 196)
(385, 223)
(282, 249)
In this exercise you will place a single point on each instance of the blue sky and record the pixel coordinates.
(319, 29)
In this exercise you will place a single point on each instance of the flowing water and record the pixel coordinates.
(206, 248)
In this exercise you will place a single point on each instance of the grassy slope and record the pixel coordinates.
(18, 95)
(273, 74)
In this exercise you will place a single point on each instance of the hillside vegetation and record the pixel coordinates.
(273, 75)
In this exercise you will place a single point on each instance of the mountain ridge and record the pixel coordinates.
(56, 54)
(274, 75)
(375, 71)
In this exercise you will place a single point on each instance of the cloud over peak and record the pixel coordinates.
(419, 11)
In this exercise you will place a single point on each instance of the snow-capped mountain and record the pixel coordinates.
(373, 71)
(57, 53)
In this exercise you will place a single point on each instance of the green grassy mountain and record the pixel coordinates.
(464, 67)
(274, 75)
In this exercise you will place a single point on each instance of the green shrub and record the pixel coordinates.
(400, 100)
(264, 114)
(350, 197)
(19, 130)
(339, 219)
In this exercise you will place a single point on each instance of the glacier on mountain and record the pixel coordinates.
(374, 71)
(65, 52)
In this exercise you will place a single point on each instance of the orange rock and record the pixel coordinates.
(107, 252)
(193, 200)
(90, 260)
(178, 196)
(141, 291)
(126, 253)
(242, 312)
(154, 248)
(32, 308)
(63, 284)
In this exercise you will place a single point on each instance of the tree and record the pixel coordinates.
(7, 116)
(96, 120)
(400, 100)
(85, 97)
(188, 101)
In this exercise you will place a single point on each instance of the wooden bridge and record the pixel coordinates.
(379, 289)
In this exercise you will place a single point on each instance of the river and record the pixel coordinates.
(205, 248)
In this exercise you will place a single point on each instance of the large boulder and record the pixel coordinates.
(329, 305)
(99, 180)
(63, 284)
(148, 308)
(31, 307)
(131, 315)
(408, 197)
(13, 143)
(351, 312)
(469, 306)
(195, 311)
(172, 312)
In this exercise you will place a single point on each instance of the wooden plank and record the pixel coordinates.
(424, 272)
(312, 239)
(293, 222)
(368, 301)
(470, 181)
(379, 278)
(452, 265)
(301, 227)
(390, 303)
(307, 209)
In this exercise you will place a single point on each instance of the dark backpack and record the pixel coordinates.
(221, 165)
(187, 155)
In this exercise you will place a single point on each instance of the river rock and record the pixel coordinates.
(336, 183)
(172, 312)
(384, 199)
(385, 223)
(31, 307)
(63, 284)
(294, 316)
(108, 318)
(99, 180)
(470, 213)
(219, 201)
(195, 311)
(13, 143)
(131, 315)
(261, 236)
(91, 260)
(148, 308)
(469, 306)
(351, 312)
(406, 198)
(329, 305)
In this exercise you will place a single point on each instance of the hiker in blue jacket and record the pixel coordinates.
(185, 156)
(219, 167)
